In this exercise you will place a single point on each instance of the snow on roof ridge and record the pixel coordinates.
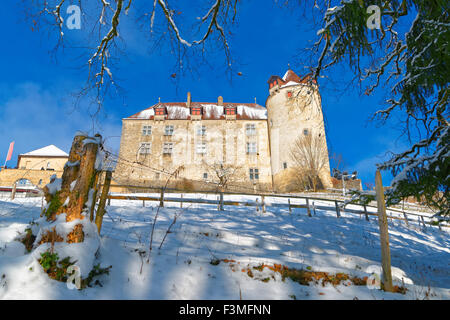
(50, 150)
(180, 107)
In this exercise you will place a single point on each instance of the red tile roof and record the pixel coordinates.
(291, 76)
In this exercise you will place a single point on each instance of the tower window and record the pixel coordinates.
(284, 165)
(146, 130)
(168, 130)
(254, 173)
(305, 132)
(205, 175)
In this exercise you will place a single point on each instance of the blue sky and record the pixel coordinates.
(37, 108)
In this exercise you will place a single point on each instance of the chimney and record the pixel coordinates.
(188, 103)
(220, 101)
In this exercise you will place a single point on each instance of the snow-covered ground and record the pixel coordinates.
(182, 268)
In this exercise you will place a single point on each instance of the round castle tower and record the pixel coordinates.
(294, 110)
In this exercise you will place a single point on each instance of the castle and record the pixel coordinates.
(199, 144)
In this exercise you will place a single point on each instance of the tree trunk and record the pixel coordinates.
(77, 180)
(102, 203)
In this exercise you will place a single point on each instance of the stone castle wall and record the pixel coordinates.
(225, 141)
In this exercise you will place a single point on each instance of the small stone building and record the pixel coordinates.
(194, 143)
(35, 168)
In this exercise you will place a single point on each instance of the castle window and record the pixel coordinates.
(40, 182)
(229, 111)
(251, 147)
(24, 182)
(254, 173)
(201, 147)
(305, 132)
(284, 165)
(145, 148)
(159, 111)
(146, 130)
(196, 111)
(250, 129)
(167, 148)
(168, 130)
(201, 130)
(205, 175)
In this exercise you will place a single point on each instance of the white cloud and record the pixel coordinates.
(34, 117)
(367, 166)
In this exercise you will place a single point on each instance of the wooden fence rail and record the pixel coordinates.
(261, 203)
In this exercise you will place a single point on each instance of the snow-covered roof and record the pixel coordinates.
(51, 151)
(210, 111)
(290, 78)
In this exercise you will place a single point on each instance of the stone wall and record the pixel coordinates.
(38, 178)
(225, 141)
(37, 162)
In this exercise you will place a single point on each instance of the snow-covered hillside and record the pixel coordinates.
(210, 254)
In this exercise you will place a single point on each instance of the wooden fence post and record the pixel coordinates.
(161, 199)
(263, 204)
(338, 211)
(221, 201)
(13, 191)
(314, 208)
(101, 204)
(423, 222)
(289, 203)
(143, 203)
(384, 234)
(406, 219)
(365, 213)
(307, 208)
(94, 196)
(181, 202)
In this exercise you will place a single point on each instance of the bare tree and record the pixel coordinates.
(223, 174)
(187, 35)
(407, 50)
(309, 155)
